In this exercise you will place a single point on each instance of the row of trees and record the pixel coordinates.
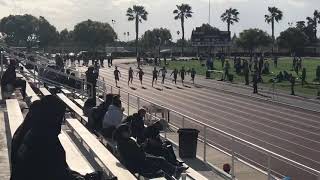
(27, 30)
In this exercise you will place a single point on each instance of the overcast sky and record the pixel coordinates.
(67, 13)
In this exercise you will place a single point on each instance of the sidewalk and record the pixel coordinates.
(265, 93)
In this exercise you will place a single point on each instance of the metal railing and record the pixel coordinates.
(178, 120)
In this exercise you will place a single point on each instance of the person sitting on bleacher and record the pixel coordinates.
(10, 81)
(134, 157)
(149, 137)
(38, 153)
(88, 105)
(96, 115)
(113, 117)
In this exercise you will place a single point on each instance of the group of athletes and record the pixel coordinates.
(155, 74)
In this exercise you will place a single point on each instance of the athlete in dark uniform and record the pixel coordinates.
(154, 75)
(140, 73)
(182, 74)
(163, 73)
(130, 73)
(175, 75)
(116, 75)
(193, 75)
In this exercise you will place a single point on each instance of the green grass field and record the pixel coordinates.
(285, 63)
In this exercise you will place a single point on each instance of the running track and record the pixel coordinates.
(291, 132)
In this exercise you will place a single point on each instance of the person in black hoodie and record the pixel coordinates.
(137, 160)
(38, 153)
(92, 77)
(9, 80)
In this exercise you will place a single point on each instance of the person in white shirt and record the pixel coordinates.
(113, 117)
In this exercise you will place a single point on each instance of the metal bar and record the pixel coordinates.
(183, 121)
(269, 167)
(205, 144)
(128, 104)
(232, 159)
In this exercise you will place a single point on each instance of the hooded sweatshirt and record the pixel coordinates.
(113, 117)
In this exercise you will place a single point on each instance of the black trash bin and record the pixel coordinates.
(188, 143)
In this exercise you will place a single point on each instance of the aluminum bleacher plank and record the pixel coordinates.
(29, 91)
(74, 157)
(14, 115)
(100, 151)
(72, 106)
(44, 91)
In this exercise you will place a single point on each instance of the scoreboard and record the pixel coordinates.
(210, 38)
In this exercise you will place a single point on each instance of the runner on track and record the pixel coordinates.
(175, 75)
(163, 72)
(130, 73)
(154, 75)
(116, 75)
(140, 73)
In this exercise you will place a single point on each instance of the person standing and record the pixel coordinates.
(163, 73)
(101, 60)
(226, 70)
(140, 73)
(175, 75)
(303, 76)
(182, 75)
(117, 74)
(92, 77)
(130, 74)
(255, 80)
(138, 61)
(222, 60)
(246, 71)
(292, 81)
(154, 75)
(193, 75)
(275, 61)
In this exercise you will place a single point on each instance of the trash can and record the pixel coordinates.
(188, 143)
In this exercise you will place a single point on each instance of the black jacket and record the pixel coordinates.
(41, 157)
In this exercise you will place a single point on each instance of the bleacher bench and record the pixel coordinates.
(44, 91)
(110, 163)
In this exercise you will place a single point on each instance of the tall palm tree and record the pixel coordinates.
(137, 13)
(314, 21)
(274, 15)
(230, 16)
(183, 11)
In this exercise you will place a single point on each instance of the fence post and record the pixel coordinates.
(138, 102)
(269, 166)
(183, 121)
(128, 104)
(205, 143)
(232, 159)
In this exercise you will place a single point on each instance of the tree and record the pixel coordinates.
(93, 33)
(313, 23)
(156, 37)
(137, 13)
(253, 38)
(19, 27)
(208, 28)
(293, 39)
(183, 11)
(274, 15)
(230, 16)
(308, 30)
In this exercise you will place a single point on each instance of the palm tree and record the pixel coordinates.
(274, 15)
(230, 16)
(314, 21)
(137, 13)
(182, 12)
